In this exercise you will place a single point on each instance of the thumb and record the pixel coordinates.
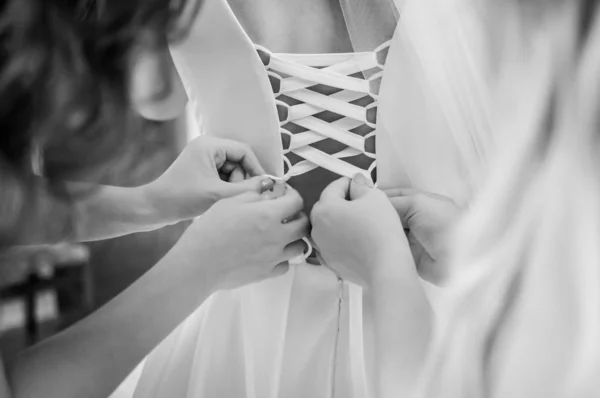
(279, 270)
(237, 175)
(359, 186)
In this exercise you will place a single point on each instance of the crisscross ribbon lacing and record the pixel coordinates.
(353, 81)
(353, 76)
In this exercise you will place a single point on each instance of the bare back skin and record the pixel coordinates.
(294, 26)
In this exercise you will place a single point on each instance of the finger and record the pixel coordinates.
(279, 270)
(243, 155)
(266, 184)
(404, 208)
(426, 266)
(246, 197)
(228, 167)
(360, 178)
(294, 250)
(237, 175)
(359, 187)
(288, 205)
(321, 210)
(297, 228)
(337, 190)
(401, 192)
(277, 190)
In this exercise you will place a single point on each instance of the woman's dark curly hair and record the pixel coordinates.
(64, 88)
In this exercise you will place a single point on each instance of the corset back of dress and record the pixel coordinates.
(277, 338)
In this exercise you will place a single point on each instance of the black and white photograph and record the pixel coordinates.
(299, 198)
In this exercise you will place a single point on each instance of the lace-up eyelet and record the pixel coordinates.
(371, 115)
(286, 140)
(381, 54)
(264, 55)
(276, 83)
(369, 141)
(375, 84)
(372, 170)
(283, 112)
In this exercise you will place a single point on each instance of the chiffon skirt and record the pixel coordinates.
(277, 338)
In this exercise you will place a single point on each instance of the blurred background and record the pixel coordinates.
(51, 287)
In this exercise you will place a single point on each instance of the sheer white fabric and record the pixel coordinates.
(301, 335)
(297, 76)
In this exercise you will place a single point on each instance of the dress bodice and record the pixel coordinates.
(301, 335)
(346, 86)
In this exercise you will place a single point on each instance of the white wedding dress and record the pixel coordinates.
(301, 335)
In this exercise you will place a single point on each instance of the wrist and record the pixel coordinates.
(161, 206)
(115, 211)
(194, 265)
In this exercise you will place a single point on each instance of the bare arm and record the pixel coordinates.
(106, 212)
(91, 358)
(115, 211)
(196, 180)
(401, 325)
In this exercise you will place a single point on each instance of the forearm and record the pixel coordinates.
(401, 320)
(91, 358)
(116, 211)
(102, 213)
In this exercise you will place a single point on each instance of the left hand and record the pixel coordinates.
(427, 217)
(208, 169)
(357, 237)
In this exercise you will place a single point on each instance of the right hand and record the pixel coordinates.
(242, 239)
(207, 171)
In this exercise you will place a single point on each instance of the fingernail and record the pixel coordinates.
(360, 178)
(278, 190)
(266, 184)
